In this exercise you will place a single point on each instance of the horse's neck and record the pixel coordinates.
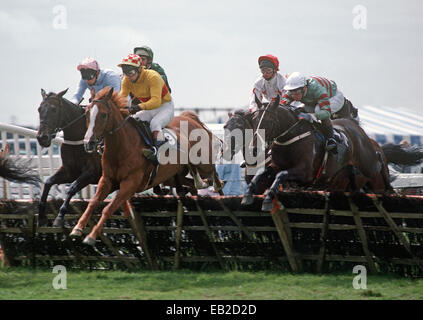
(119, 141)
(285, 119)
(75, 131)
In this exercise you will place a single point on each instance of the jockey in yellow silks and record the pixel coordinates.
(156, 105)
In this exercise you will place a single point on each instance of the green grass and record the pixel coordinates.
(24, 283)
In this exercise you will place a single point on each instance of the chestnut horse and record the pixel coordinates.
(298, 155)
(124, 166)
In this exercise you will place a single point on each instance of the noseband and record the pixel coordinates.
(109, 108)
(57, 127)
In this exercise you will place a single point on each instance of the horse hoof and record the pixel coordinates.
(89, 241)
(247, 200)
(76, 233)
(42, 221)
(58, 222)
(267, 206)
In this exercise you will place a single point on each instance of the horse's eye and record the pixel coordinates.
(103, 116)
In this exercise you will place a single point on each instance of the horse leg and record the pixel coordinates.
(218, 184)
(61, 176)
(299, 174)
(126, 190)
(103, 190)
(251, 188)
(198, 182)
(268, 200)
(80, 183)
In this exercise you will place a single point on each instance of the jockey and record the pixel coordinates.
(270, 84)
(147, 55)
(319, 93)
(156, 104)
(94, 79)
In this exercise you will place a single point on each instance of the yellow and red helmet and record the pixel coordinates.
(131, 60)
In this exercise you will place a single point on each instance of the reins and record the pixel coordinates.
(58, 128)
(111, 132)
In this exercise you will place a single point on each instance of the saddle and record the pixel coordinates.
(143, 128)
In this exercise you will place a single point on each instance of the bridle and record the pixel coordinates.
(109, 108)
(57, 127)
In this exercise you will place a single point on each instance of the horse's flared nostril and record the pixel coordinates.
(43, 140)
(90, 146)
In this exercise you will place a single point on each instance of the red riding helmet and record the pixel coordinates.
(270, 58)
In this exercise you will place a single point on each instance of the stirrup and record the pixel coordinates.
(150, 154)
(331, 143)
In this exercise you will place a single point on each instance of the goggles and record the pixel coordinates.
(266, 70)
(129, 70)
(88, 74)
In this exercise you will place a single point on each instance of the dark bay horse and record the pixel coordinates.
(124, 167)
(298, 156)
(18, 169)
(241, 120)
(78, 167)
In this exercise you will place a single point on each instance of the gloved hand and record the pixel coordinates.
(134, 109)
(307, 117)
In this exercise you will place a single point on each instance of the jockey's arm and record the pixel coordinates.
(286, 99)
(82, 86)
(257, 94)
(156, 84)
(124, 90)
(323, 105)
(115, 83)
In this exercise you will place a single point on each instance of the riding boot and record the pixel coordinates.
(331, 144)
(151, 153)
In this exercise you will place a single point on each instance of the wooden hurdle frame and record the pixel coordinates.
(184, 209)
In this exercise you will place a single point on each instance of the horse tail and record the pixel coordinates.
(402, 155)
(384, 171)
(194, 116)
(18, 170)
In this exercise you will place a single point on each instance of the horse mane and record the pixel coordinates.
(118, 100)
(70, 103)
(241, 112)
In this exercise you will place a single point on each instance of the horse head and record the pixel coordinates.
(269, 118)
(49, 111)
(98, 115)
(238, 122)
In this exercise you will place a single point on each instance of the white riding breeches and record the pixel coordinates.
(159, 117)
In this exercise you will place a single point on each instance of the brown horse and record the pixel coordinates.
(124, 166)
(298, 155)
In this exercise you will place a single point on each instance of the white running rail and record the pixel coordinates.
(45, 161)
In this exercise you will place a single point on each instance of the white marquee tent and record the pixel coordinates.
(392, 124)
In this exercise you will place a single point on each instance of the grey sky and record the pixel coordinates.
(209, 50)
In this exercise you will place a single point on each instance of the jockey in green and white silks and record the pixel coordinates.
(320, 93)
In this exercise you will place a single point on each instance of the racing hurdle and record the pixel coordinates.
(308, 231)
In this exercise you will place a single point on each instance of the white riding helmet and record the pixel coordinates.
(295, 80)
